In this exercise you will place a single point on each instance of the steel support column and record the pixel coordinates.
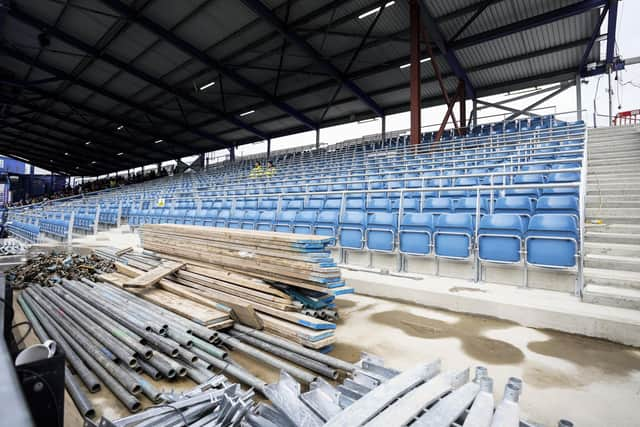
(268, 149)
(475, 112)
(610, 93)
(383, 129)
(232, 153)
(463, 110)
(317, 138)
(578, 97)
(415, 71)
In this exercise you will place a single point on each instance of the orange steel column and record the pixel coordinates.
(415, 71)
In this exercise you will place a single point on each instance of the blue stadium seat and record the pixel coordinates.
(250, 219)
(284, 221)
(382, 228)
(266, 221)
(468, 205)
(453, 235)
(327, 223)
(235, 218)
(438, 205)
(222, 218)
(333, 204)
(351, 232)
(519, 205)
(527, 179)
(500, 238)
(563, 177)
(558, 205)
(304, 222)
(353, 204)
(552, 241)
(415, 235)
(377, 205)
(293, 205)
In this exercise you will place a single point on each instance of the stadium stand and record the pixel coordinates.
(491, 197)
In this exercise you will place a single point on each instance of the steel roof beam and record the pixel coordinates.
(592, 40)
(611, 30)
(14, 53)
(7, 148)
(34, 146)
(261, 10)
(183, 45)
(526, 24)
(480, 8)
(107, 132)
(80, 144)
(125, 145)
(100, 54)
(64, 144)
(446, 50)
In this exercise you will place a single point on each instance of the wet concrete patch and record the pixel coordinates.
(599, 355)
(467, 329)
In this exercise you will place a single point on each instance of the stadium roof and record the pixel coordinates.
(97, 86)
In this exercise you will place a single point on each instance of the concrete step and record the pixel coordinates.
(620, 279)
(629, 158)
(610, 179)
(609, 211)
(600, 203)
(635, 219)
(612, 190)
(613, 228)
(612, 168)
(614, 249)
(611, 202)
(611, 262)
(612, 296)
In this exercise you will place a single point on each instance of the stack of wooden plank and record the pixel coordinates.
(285, 258)
(246, 274)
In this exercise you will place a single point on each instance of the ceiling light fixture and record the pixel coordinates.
(93, 162)
(158, 141)
(208, 85)
(120, 127)
(423, 60)
(372, 11)
(246, 113)
(87, 143)
(120, 154)
(66, 154)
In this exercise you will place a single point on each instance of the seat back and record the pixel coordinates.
(415, 235)
(500, 238)
(352, 226)
(381, 231)
(454, 235)
(552, 240)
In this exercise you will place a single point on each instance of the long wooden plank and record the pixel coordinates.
(243, 311)
(238, 233)
(222, 294)
(230, 287)
(269, 250)
(236, 278)
(176, 244)
(193, 310)
(290, 272)
(154, 275)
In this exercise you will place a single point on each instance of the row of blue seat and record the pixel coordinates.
(25, 230)
(299, 210)
(55, 226)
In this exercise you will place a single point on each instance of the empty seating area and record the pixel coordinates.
(504, 194)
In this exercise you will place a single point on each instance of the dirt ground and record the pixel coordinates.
(588, 381)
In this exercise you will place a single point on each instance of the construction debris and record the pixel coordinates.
(51, 269)
(12, 246)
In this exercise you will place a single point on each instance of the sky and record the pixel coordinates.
(626, 96)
